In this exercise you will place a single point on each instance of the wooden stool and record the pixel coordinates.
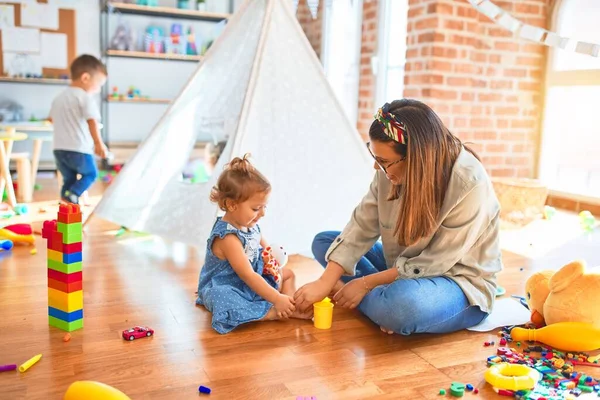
(25, 187)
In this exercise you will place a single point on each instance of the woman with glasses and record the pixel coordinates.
(433, 206)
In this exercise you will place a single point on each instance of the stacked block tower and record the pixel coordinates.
(65, 289)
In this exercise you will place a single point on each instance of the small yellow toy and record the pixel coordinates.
(90, 390)
(512, 376)
(571, 294)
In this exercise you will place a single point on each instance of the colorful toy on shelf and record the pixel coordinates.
(571, 294)
(191, 48)
(512, 376)
(137, 332)
(176, 43)
(184, 4)
(149, 3)
(122, 39)
(18, 233)
(65, 279)
(568, 336)
(154, 39)
(90, 390)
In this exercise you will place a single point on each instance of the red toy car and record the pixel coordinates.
(137, 332)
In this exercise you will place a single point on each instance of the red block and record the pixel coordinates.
(72, 248)
(55, 245)
(65, 278)
(48, 228)
(65, 287)
(69, 213)
(57, 237)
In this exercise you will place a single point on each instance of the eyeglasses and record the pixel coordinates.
(383, 168)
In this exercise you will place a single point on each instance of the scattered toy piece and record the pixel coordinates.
(137, 332)
(9, 367)
(33, 252)
(67, 337)
(475, 391)
(442, 392)
(457, 389)
(27, 364)
(204, 389)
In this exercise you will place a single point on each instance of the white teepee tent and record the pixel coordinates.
(262, 86)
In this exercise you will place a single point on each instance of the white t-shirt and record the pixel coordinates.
(70, 112)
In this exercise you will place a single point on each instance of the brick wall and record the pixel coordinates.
(367, 85)
(313, 28)
(485, 85)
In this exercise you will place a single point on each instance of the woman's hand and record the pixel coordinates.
(351, 294)
(311, 293)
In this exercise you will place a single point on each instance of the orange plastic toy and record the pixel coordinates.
(18, 233)
(568, 336)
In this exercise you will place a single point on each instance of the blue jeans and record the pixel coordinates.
(71, 163)
(406, 306)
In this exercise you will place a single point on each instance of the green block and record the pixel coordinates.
(65, 268)
(72, 238)
(65, 326)
(74, 228)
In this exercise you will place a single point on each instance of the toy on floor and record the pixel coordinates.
(9, 367)
(323, 314)
(6, 245)
(204, 389)
(568, 336)
(65, 280)
(570, 294)
(90, 390)
(137, 332)
(512, 376)
(29, 363)
(18, 233)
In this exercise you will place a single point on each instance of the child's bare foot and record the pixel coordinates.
(308, 314)
(388, 331)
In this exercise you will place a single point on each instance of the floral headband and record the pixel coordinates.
(392, 126)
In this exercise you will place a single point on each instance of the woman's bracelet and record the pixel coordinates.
(365, 283)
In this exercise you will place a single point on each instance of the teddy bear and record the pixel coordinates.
(571, 294)
(274, 258)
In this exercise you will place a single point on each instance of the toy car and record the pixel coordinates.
(137, 332)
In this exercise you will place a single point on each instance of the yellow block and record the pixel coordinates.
(66, 302)
(55, 255)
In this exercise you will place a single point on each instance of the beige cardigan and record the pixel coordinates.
(465, 246)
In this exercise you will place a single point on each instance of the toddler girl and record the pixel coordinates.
(234, 283)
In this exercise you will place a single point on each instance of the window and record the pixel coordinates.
(342, 29)
(569, 160)
(393, 15)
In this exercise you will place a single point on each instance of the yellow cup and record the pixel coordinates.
(323, 314)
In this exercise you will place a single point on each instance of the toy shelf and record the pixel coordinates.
(156, 56)
(45, 81)
(138, 101)
(169, 12)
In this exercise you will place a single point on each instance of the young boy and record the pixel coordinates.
(75, 116)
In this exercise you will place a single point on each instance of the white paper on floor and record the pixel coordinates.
(506, 312)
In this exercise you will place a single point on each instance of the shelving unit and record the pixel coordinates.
(139, 101)
(111, 8)
(156, 56)
(43, 81)
(169, 12)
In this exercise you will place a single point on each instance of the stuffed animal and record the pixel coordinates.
(274, 258)
(571, 294)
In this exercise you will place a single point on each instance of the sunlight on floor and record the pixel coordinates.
(542, 236)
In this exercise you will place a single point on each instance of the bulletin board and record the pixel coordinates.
(66, 25)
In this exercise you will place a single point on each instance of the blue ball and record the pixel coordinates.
(204, 389)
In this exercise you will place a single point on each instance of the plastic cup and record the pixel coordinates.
(323, 317)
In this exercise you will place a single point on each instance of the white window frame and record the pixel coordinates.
(560, 78)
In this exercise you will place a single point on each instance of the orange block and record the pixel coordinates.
(65, 287)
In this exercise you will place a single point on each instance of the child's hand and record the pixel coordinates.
(284, 305)
(101, 150)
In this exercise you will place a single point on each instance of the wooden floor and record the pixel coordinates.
(135, 280)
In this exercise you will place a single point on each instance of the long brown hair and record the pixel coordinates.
(237, 183)
(430, 154)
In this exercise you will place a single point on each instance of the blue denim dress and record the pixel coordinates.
(222, 291)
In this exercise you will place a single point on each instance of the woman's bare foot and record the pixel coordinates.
(386, 330)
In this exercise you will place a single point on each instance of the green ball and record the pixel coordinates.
(442, 392)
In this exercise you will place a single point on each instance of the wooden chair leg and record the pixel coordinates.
(24, 193)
